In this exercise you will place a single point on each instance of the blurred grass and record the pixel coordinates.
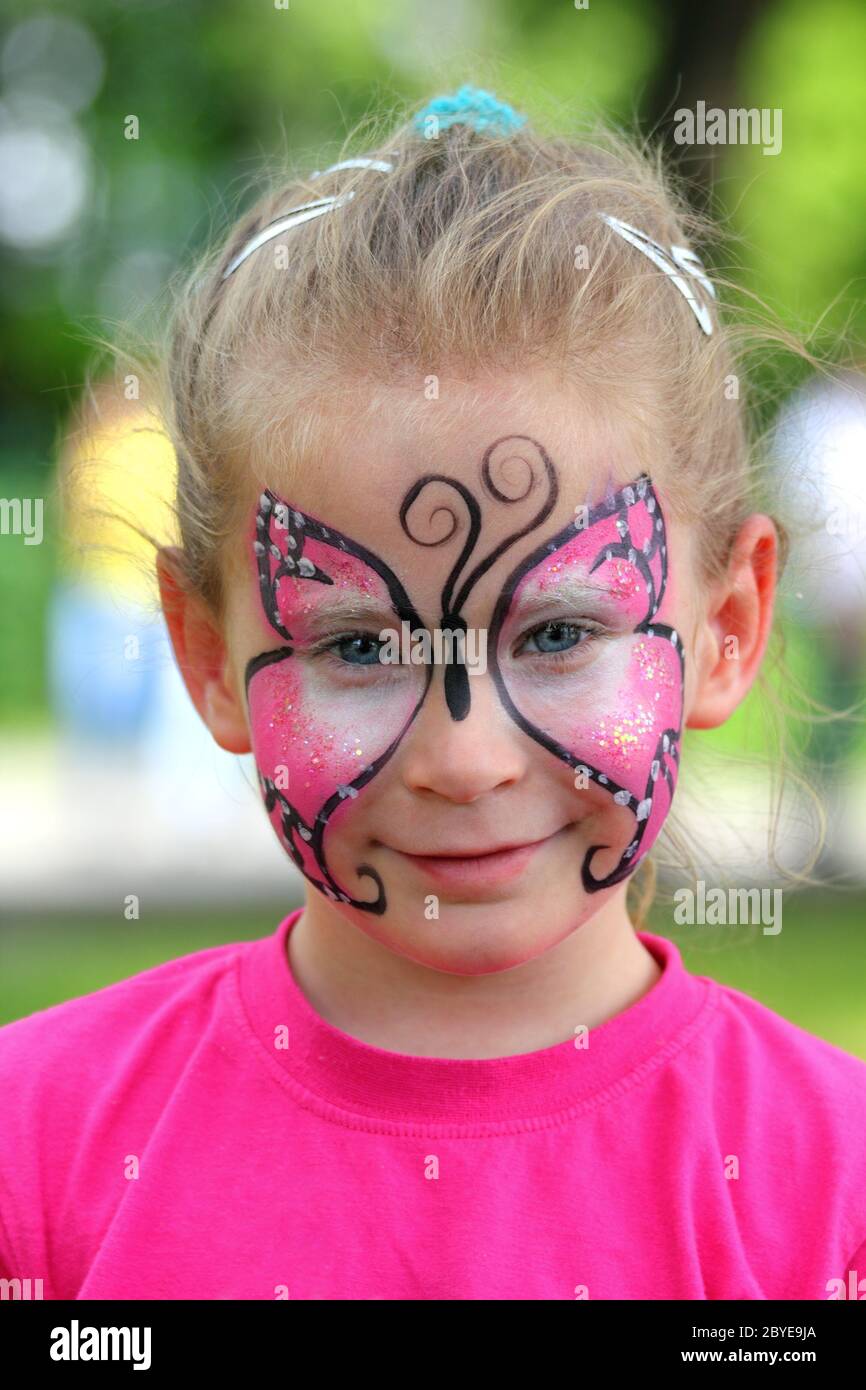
(43, 962)
(27, 574)
(813, 972)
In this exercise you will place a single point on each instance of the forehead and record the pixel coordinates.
(370, 435)
(362, 452)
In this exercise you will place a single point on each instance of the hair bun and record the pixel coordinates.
(473, 107)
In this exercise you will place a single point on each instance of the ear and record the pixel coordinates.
(732, 635)
(201, 654)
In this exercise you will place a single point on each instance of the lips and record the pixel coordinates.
(478, 868)
(463, 853)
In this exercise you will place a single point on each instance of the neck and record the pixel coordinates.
(389, 1001)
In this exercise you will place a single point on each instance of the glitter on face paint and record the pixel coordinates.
(625, 580)
(653, 667)
(295, 729)
(548, 576)
(348, 574)
(623, 737)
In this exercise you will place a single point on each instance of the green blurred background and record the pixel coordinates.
(93, 224)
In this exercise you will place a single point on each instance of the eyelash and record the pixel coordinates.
(590, 630)
(327, 648)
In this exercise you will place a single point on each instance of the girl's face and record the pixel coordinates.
(466, 801)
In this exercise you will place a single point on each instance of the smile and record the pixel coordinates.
(485, 868)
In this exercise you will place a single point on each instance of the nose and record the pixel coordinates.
(462, 759)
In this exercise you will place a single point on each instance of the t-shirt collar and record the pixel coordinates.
(343, 1076)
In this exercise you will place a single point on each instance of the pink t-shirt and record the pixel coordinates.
(199, 1131)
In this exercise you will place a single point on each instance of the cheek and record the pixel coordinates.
(307, 755)
(634, 743)
(319, 745)
(618, 719)
(624, 738)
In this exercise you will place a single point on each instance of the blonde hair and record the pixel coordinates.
(470, 253)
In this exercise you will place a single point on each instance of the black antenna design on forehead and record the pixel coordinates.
(283, 534)
(499, 454)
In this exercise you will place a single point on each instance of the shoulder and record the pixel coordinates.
(86, 1082)
(795, 1105)
(766, 1048)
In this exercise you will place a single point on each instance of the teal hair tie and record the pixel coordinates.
(473, 107)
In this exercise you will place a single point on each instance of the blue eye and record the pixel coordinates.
(357, 659)
(556, 637)
(357, 649)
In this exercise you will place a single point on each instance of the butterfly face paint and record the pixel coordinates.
(319, 737)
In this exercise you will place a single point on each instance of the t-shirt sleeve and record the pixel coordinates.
(83, 1084)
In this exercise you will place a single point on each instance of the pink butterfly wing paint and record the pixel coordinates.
(630, 747)
(313, 751)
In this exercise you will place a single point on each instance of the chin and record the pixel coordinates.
(479, 937)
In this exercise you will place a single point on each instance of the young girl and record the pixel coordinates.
(468, 542)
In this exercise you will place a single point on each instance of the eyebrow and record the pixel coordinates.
(346, 609)
(366, 608)
(568, 590)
